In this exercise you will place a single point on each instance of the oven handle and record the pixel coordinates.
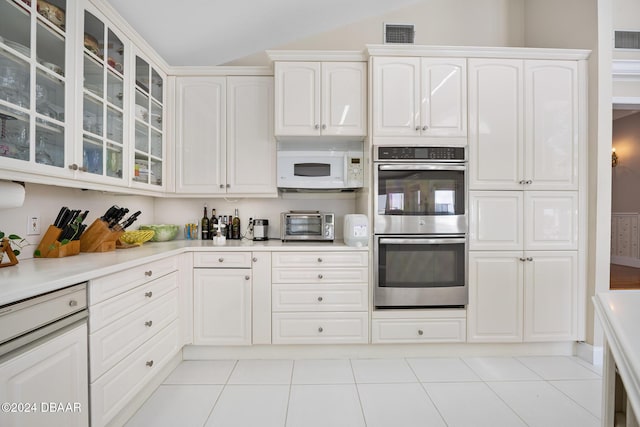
(423, 167)
(423, 241)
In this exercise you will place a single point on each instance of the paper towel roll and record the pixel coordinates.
(11, 195)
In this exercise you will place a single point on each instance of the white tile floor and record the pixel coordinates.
(476, 391)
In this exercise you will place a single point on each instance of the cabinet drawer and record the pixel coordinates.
(118, 386)
(108, 286)
(114, 342)
(320, 297)
(321, 259)
(423, 330)
(222, 259)
(320, 275)
(320, 328)
(104, 313)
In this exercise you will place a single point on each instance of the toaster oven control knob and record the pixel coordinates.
(420, 332)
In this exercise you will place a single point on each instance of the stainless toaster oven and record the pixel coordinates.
(307, 226)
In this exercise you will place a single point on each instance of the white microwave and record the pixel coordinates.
(320, 169)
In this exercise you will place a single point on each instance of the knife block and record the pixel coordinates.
(99, 238)
(50, 247)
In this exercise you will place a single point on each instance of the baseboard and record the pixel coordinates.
(625, 260)
(589, 353)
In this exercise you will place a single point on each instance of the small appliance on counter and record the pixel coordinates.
(307, 226)
(260, 229)
(356, 230)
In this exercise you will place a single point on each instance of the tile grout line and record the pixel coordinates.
(571, 398)
(286, 413)
(355, 384)
(426, 393)
(224, 386)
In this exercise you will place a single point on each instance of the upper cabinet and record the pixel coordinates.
(35, 90)
(149, 153)
(424, 99)
(224, 136)
(524, 127)
(320, 98)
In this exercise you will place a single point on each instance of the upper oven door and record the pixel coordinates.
(420, 199)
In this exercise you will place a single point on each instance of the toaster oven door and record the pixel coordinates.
(302, 227)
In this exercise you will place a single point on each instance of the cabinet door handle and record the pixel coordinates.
(522, 181)
(320, 329)
(221, 186)
(319, 259)
(320, 276)
(148, 294)
(425, 127)
(324, 126)
(529, 259)
(254, 259)
(148, 273)
(73, 167)
(417, 128)
(228, 185)
(523, 259)
(149, 363)
(148, 323)
(220, 259)
(420, 332)
(73, 303)
(320, 299)
(317, 126)
(528, 181)
(83, 169)
(247, 277)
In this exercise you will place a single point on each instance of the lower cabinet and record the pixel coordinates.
(516, 296)
(412, 326)
(54, 371)
(320, 298)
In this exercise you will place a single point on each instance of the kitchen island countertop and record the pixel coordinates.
(32, 277)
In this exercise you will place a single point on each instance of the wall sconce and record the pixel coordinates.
(614, 158)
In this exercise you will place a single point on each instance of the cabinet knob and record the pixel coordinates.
(220, 259)
(528, 181)
(221, 186)
(319, 259)
(521, 181)
(320, 276)
(523, 259)
(73, 303)
(254, 259)
(228, 185)
(148, 294)
(417, 128)
(148, 273)
(324, 126)
(73, 167)
(425, 127)
(82, 169)
(529, 259)
(317, 126)
(320, 329)
(149, 363)
(420, 332)
(148, 323)
(319, 299)
(247, 277)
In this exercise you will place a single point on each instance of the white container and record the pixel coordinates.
(356, 230)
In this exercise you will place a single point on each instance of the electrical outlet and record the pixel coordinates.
(33, 225)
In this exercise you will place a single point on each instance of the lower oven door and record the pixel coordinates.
(425, 271)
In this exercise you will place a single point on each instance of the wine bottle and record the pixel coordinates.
(204, 225)
(235, 226)
(212, 223)
(228, 221)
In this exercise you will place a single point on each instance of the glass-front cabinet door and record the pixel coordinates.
(104, 67)
(34, 91)
(149, 152)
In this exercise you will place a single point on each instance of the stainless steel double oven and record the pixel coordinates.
(420, 229)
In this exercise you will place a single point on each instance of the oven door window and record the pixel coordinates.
(421, 265)
(304, 226)
(420, 192)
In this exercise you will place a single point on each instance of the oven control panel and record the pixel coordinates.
(421, 153)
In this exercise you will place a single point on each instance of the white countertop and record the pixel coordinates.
(39, 275)
(619, 312)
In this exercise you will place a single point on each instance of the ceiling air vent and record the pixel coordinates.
(627, 39)
(399, 33)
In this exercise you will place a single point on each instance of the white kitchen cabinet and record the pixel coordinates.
(524, 124)
(224, 136)
(261, 298)
(320, 98)
(529, 296)
(52, 372)
(523, 220)
(222, 306)
(421, 98)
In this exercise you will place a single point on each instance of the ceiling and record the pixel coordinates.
(214, 32)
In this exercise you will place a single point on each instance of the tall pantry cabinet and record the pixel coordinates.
(526, 202)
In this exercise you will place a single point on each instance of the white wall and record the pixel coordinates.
(626, 17)
(437, 22)
(45, 201)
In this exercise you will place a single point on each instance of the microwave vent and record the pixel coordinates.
(627, 40)
(399, 33)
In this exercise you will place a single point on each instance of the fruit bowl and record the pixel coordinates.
(163, 232)
(137, 237)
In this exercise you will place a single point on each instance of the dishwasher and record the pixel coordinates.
(43, 360)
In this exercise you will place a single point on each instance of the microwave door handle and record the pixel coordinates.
(427, 241)
(429, 167)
